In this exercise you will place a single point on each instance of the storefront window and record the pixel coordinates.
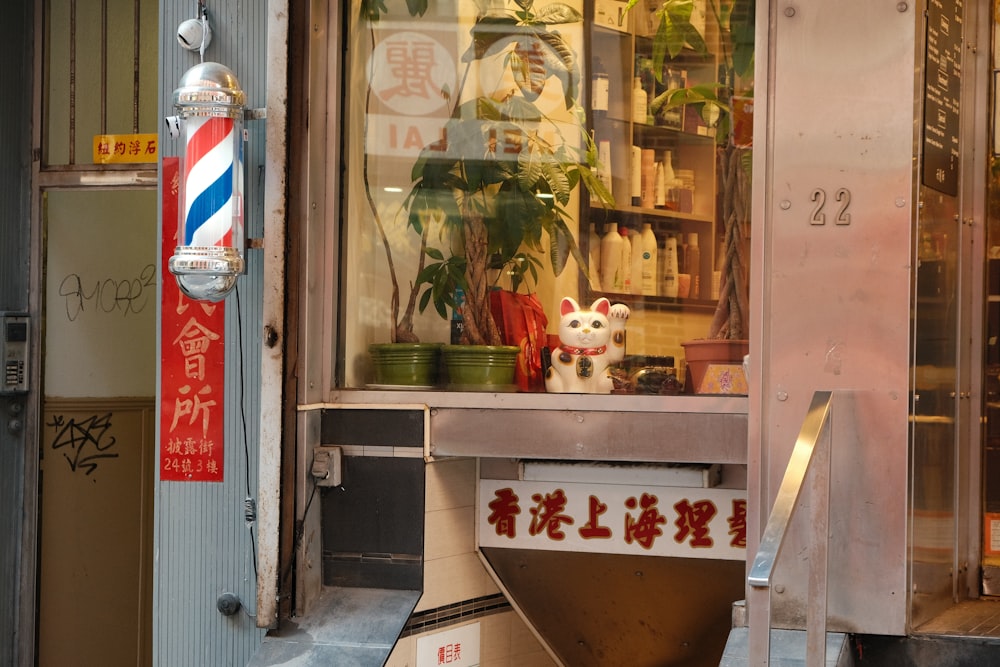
(504, 157)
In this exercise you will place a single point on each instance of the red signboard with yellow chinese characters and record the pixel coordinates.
(611, 518)
(192, 374)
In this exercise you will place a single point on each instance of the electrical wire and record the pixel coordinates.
(205, 29)
(300, 529)
(249, 504)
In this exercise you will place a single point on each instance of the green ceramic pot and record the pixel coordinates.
(405, 364)
(481, 367)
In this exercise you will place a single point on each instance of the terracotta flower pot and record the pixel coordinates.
(723, 357)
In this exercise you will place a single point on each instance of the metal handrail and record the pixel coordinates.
(811, 453)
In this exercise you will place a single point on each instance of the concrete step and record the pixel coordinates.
(347, 627)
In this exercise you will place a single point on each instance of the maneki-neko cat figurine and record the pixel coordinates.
(590, 342)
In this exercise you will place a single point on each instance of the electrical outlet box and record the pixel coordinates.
(327, 468)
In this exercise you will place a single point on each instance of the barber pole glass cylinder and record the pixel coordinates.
(209, 254)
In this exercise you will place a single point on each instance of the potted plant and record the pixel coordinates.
(734, 21)
(503, 175)
(404, 360)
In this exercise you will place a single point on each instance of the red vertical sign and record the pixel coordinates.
(192, 366)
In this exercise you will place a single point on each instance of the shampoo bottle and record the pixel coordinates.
(647, 177)
(635, 240)
(650, 260)
(693, 260)
(669, 178)
(670, 267)
(594, 257)
(626, 262)
(612, 279)
(635, 176)
(660, 188)
(639, 102)
(604, 157)
(599, 90)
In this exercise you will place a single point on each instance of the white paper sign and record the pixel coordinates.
(458, 647)
(609, 518)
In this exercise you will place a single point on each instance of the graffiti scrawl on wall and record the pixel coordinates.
(84, 443)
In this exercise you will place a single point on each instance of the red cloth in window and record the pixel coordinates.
(522, 322)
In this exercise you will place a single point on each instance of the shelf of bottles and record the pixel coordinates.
(656, 243)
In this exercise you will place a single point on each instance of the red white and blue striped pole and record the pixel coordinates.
(209, 254)
(211, 201)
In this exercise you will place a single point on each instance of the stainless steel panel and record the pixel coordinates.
(595, 610)
(593, 436)
(682, 429)
(836, 289)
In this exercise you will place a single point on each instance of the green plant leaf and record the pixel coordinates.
(596, 187)
(560, 61)
(487, 109)
(558, 12)
(557, 179)
(487, 31)
(529, 168)
(742, 27)
(416, 7)
(373, 9)
(562, 245)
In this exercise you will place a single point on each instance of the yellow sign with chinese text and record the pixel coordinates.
(125, 148)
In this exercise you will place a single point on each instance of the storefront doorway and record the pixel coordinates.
(94, 202)
(96, 445)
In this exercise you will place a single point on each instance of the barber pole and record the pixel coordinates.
(209, 253)
(211, 189)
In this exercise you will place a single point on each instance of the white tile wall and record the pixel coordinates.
(453, 572)
(504, 642)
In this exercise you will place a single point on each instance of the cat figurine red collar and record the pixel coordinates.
(591, 341)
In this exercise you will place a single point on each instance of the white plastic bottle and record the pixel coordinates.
(626, 263)
(647, 178)
(635, 176)
(594, 257)
(650, 260)
(612, 278)
(669, 181)
(692, 260)
(670, 267)
(660, 188)
(640, 103)
(604, 157)
(635, 241)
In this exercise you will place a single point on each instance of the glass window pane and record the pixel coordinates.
(508, 156)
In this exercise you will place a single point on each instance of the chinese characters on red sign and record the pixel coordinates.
(695, 522)
(192, 372)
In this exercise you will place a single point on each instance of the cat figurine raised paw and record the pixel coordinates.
(590, 342)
